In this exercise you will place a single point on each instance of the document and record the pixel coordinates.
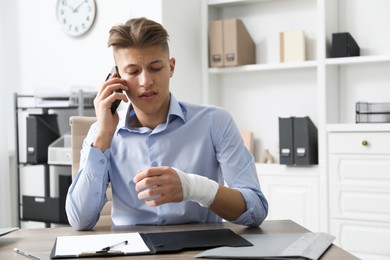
(88, 245)
(276, 246)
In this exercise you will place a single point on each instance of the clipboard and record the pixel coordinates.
(144, 243)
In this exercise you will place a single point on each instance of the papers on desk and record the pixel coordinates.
(87, 245)
(4, 231)
(276, 246)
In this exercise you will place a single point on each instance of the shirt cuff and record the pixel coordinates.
(255, 213)
(96, 163)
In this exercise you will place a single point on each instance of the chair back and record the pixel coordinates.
(79, 126)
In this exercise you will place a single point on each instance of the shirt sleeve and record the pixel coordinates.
(87, 193)
(238, 168)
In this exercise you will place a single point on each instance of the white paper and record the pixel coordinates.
(75, 245)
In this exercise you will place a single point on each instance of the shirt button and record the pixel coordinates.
(102, 161)
(96, 194)
(154, 164)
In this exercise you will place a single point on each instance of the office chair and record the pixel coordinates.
(79, 126)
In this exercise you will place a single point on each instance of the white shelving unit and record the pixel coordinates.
(324, 88)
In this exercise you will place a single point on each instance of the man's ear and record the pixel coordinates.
(172, 63)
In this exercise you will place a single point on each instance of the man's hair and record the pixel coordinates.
(138, 33)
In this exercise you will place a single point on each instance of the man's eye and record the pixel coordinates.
(156, 68)
(133, 72)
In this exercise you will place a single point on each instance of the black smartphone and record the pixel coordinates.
(116, 103)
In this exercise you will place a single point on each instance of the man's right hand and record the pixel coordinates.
(107, 121)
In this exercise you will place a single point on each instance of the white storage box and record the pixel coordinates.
(60, 151)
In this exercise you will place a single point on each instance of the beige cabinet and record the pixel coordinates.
(359, 188)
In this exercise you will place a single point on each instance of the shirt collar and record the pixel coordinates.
(175, 111)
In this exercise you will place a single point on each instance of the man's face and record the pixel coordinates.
(147, 72)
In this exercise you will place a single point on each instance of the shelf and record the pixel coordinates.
(264, 67)
(357, 127)
(234, 2)
(358, 60)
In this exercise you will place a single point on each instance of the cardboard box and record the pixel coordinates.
(216, 44)
(230, 40)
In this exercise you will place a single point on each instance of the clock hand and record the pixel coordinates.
(66, 4)
(76, 9)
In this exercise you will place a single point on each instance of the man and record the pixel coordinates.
(167, 161)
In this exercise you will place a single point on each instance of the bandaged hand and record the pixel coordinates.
(197, 188)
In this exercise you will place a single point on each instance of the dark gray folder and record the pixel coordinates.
(286, 140)
(305, 141)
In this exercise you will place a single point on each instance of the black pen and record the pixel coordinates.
(108, 248)
(26, 254)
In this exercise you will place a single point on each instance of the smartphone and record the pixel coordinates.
(116, 103)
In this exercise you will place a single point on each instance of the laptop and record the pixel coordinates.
(4, 231)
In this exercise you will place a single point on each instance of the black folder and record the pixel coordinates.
(298, 141)
(286, 140)
(305, 141)
(164, 242)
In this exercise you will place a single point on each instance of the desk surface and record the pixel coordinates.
(40, 241)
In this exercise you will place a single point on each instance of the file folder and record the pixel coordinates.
(286, 140)
(144, 243)
(298, 141)
(308, 246)
(42, 130)
(239, 48)
(216, 44)
(230, 44)
(305, 141)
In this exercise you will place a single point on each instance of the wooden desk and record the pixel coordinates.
(40, 241)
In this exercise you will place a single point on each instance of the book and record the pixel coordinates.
(373, 118)
(292, 46)
(372, 108)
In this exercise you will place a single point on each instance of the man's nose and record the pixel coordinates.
(145, 79)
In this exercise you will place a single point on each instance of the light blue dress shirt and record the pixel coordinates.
(195, 139)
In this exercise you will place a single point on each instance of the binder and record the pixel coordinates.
(286, 140)
(143, 243)
(216, 44)
(372, 108)
(239, 48)
(292, 46)
(305, 141)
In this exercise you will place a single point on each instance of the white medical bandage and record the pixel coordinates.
(198, 188)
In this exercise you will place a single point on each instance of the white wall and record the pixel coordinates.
(38, 54)
(9, 82)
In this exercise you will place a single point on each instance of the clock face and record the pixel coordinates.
(76, 16)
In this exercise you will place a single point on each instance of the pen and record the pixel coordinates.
(108, 248)
(26, 254)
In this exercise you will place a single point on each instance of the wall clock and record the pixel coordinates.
(76, 16)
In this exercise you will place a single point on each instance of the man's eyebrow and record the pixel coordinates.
(135, 65)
